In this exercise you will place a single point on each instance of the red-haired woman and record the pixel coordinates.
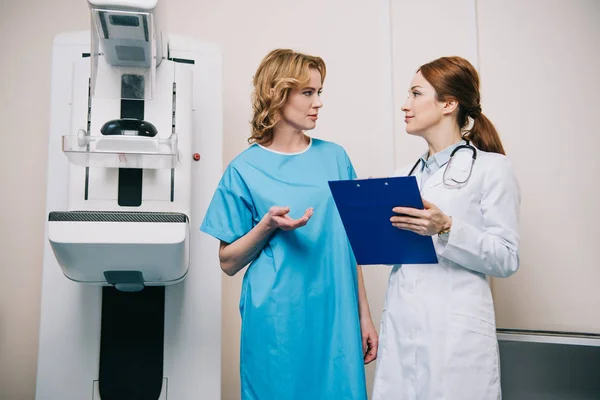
(438, 332)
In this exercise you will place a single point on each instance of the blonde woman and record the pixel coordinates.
(306, 325)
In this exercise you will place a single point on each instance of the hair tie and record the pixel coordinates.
(474, 112)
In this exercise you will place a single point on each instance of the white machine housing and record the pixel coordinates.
(125, 46)
(184, 104)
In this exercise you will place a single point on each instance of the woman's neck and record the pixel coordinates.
(438, 141)
(288, 140)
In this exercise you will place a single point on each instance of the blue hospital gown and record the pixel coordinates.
(299, 302)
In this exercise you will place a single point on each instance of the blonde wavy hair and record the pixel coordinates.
(279, 72)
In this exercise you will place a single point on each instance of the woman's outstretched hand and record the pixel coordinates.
(278, 217)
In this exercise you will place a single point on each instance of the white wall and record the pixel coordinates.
(26, 33)
(423, 31)
(538, 61)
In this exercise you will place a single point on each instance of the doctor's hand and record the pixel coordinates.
(370, 340)
(427, 222)
(278, 217)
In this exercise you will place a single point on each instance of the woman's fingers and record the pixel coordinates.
(288, 224)
(408, 220)
(411, 212)
(401, 225)
(279, 211)
(413, 228)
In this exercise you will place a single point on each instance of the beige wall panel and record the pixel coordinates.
(539, 66)
(421, 32)
(27, 30)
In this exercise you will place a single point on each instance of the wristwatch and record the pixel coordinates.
(444, 234)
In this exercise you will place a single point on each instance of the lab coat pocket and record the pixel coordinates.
(471, 343)
(471, 369)
(475, 324)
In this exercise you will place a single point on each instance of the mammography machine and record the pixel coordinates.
(131, 289)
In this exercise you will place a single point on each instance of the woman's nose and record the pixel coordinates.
(406, 106)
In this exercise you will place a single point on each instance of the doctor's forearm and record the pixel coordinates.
(235, 256)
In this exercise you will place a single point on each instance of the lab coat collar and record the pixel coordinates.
(441, 158)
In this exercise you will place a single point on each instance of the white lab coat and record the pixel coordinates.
(438, 332)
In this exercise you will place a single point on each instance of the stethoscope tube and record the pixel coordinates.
(467, 145)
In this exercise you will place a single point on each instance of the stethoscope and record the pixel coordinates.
(451, 181)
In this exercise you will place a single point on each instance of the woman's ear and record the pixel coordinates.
(449, 106)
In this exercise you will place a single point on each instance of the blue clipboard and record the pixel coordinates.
(365, 206)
